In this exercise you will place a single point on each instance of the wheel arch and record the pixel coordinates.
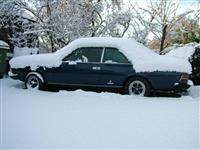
(36, 73)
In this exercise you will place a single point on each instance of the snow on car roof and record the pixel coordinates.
(142, 58)
(128, 46)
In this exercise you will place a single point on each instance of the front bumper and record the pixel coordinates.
(12, 75)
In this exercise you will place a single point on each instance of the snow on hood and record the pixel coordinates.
(142, 58)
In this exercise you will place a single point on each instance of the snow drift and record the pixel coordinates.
(194, 92)
(142, 58)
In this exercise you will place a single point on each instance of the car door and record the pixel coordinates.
(81, 67)
(115, 67)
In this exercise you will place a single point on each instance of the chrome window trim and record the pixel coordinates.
(82, 63)
(100, 63)
(102, 55)
(117, 63)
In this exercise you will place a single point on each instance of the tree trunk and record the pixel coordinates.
(164, 31)
(93, 25)
(50, 33)
(53, 49)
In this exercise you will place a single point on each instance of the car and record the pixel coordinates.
(103, 63)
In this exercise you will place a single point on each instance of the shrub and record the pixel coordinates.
(195, 62)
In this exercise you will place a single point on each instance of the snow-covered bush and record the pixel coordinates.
(195, 61)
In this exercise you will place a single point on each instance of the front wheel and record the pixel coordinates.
(33, 82)
(137, 87)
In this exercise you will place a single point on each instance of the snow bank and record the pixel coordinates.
(194, 92)
(142, 58)
(25, 51)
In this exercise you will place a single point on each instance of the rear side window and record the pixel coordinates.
(85, 54)
(113, 55)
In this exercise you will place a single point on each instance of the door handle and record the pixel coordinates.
(96, 68)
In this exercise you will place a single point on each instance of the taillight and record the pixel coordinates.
(184, 78)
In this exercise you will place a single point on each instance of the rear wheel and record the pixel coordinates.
(32, 81)
(137, 86)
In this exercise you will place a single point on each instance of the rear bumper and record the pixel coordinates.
(179, 87)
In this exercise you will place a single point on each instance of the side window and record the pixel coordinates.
(85, 54)
(113, 55)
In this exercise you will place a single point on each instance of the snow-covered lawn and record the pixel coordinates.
(78, 119)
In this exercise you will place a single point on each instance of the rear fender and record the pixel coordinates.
(138, 76)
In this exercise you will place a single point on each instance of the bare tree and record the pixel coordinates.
(141, 22)
(159, 18)
(166, 15)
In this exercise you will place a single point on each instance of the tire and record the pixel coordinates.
(137, 86)
(33, 82)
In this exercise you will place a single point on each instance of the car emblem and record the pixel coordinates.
(110, 82)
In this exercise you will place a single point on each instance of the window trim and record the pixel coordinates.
(102, 55)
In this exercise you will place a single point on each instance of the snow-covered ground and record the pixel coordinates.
(78, 119)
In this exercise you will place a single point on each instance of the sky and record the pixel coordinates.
(184, 6)
(191, 4)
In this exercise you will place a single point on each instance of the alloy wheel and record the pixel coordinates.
(32, 82)
(137, 88)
